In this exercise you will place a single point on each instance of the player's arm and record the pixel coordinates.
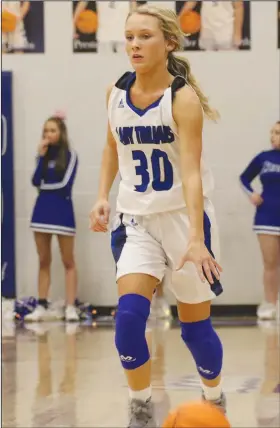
(238, 22)
(79, 8)
(188, 6)
(250, 173)
(110, 162)
(188, 115)
(132, 5)
(24, 9)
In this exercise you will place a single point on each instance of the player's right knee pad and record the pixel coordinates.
(131, 318)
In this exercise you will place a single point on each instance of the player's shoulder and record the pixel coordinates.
(123, 81)
(270, 155)
(183, 92)
(184, 98)
(264, 154)
(121, 84)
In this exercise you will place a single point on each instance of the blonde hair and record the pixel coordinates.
(177, 65)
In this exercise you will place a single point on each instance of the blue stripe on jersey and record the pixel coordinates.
(217, 286)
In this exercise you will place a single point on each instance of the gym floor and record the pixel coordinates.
(57, 375)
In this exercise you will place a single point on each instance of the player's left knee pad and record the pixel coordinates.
(205, 346)
(133, 312)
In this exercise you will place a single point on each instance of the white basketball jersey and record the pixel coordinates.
(217, 14)
(148, 152)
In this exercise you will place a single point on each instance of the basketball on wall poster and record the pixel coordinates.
(215, 25)
(25, 35)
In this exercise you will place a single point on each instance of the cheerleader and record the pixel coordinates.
(53, 213)
(266, 165)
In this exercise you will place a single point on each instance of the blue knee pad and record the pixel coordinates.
(205, 346)
(133, 312)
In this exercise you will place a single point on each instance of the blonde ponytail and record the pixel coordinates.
(181, 66)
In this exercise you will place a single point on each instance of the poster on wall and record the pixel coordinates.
(215, 25)
(8, 276)
(278, 14)
(85, 25)
(22, 26)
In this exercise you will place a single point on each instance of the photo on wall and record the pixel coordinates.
(85, 26)
(278, 20)
(22, 26)
(215, 25)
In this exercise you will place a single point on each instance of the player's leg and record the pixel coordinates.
(194, 301)
(205, 346)
(5, 42)
(66, 245)
(43, 246)
(224, 38)
(160, 307)
(140, 264)
(207, 39)
(18, 38)
(135, 295)
(270, 249)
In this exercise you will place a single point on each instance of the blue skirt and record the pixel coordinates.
(53, 213)
(267, 219)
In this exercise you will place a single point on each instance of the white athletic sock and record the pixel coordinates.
(143, 395)
(212, 393)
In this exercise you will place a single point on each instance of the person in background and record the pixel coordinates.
(266, 165)
(53, 213)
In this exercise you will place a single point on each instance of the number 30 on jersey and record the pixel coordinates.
(161, 174)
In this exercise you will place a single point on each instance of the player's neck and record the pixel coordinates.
(152, 81)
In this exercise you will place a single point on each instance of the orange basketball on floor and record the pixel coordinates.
(87, 22)
(190, 22)
(9, 22)
(196, 414)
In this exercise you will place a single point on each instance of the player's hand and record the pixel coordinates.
(206, 265)
(43, 147)
(256, 199)
(99, 216)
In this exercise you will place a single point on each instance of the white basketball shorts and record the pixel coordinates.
(15, 40)
(216, 38)
(154, 245)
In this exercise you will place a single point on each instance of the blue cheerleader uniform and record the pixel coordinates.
(267, 166)
(53, 211)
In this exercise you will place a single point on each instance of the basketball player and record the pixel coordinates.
(221, 24)
(165, 219)
(267, 219)
(15, 41)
